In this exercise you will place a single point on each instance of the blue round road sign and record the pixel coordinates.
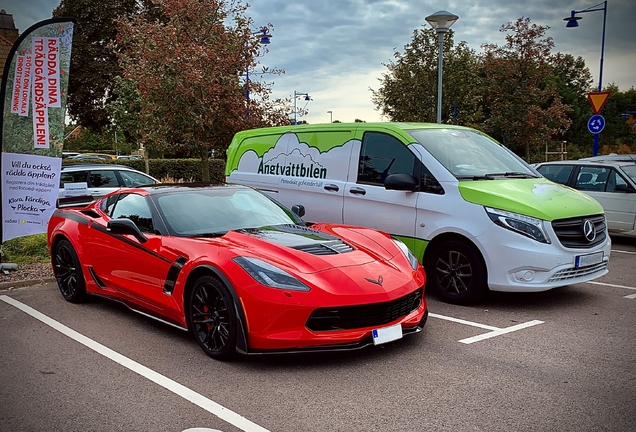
(596, 123)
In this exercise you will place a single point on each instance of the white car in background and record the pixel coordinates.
(611, 183)
(102, 179)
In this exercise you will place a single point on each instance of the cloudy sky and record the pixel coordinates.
(335, 49)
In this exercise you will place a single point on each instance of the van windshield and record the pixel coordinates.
(469, 155)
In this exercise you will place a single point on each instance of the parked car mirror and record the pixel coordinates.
(402, 181)
(126, 227)
(624, 188)
(298, 210)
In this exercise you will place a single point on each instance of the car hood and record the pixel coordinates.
(537, 197)
(308, 250)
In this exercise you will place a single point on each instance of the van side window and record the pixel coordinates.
(428, 183)
(381, 155)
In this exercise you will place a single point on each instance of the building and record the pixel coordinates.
(8, 35)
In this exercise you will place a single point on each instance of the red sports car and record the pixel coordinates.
(241, 272)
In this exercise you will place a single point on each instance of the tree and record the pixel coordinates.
(93, 65)
(524, 108)
(573, 82)
(187, 73)
(408, 91)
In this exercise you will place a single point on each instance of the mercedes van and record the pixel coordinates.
(475, 214)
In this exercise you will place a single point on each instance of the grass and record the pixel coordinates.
(26, 250)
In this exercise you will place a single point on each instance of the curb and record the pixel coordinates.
(24, 283)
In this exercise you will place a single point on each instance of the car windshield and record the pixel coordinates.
(214, 212)
(469, 155)
(630, 170)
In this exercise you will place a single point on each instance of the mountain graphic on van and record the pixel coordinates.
(289, 157)
(293, 164)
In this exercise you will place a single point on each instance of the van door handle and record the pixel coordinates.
(357, 191)
(331, 187)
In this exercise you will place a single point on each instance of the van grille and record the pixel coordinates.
(369, 315)
(326, 248)
(570, 231)
(573, 273)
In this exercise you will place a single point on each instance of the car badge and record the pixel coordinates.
(377, 282)
(588, 230)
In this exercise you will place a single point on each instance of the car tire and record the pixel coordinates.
(68, 272)
(456, 273)
(212, 318)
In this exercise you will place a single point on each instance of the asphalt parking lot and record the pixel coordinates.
(559, 360)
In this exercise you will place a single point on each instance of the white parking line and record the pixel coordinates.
(631, 296)
(173, 386)
(494, 331)
(621, 251)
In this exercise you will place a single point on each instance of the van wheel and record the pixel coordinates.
(456, 273)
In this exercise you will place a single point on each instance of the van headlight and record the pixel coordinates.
(269, 275)
(407, 252)
(524, 225)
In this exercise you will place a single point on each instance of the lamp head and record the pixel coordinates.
(307, 98)
(572, 20)
(442, 20)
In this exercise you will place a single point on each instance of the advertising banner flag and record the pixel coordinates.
(33, 109)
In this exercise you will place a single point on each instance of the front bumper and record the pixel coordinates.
(364, 342)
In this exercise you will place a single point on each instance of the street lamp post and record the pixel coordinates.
(330, 116)
(296, 94)
(572, 21)
(264, 39)
(441, 21)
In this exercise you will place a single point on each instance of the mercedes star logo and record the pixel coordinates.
(377, 282)
(588, 230)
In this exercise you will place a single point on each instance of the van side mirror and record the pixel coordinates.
(298, 210)
(126, 226)
(402, 182)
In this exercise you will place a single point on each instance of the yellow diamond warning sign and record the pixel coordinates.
(597, 100)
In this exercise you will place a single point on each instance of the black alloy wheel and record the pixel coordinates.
(68, 272)
(456, 273)
(212, 318)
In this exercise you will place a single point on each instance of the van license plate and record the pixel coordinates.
(387, 334)
(588, 260)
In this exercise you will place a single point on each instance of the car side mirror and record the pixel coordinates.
(298, 210)
(624, 188)
(402, 182)
(126, 227)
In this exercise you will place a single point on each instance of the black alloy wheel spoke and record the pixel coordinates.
(65, 271)
(210, 317)
(454, 273)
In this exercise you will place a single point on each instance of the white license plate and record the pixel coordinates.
(387, 334)
(587, 260)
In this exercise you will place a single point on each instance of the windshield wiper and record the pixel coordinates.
(511, 174)
(208, 235)
(475, 177)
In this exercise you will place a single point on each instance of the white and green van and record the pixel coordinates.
(473, 212)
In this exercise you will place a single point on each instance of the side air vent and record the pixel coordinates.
(333, 247)
(91, 213)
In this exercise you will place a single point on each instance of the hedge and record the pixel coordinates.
(178, 169)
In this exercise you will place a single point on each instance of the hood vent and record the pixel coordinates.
(333, 247)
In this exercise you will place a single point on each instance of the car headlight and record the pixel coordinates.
(407, 252)
(269, 275)
(524, 225)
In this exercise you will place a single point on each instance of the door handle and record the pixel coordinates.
(357, 191)
(331, 187)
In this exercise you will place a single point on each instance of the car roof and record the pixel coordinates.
(612, 157)
(395, 126)
(95, 166)
(586, 162)
(170, 188)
